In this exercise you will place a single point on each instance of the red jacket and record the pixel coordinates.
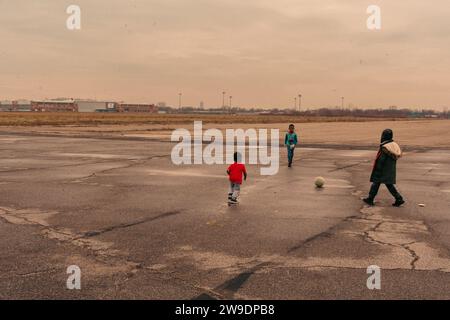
(235, 172)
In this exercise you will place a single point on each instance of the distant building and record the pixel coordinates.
(54, 106)
(15, 106)
(127, 107)
(95, 106)
(70, 105)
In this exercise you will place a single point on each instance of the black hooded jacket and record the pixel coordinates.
(385, 166)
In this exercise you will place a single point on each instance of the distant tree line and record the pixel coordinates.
(377, 113)
(391, 112)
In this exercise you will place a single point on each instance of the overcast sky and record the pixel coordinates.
(261, 52)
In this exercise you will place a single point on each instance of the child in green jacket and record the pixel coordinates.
(290, 141)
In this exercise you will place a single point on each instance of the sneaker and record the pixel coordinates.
(289, 164)
(369, 201)
(398, 203)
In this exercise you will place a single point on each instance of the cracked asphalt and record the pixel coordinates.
(140, 227)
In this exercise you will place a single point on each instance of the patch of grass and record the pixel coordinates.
(93, 119)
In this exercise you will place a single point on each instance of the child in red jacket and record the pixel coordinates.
(235, 173)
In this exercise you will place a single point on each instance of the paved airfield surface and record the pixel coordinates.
(140, 227)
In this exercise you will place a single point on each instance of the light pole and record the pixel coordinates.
(179, 100)
(223, 99)
(342, 103)
(231, 97)
(299, 102)
(295, 103)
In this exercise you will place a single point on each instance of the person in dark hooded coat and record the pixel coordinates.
(385, 169)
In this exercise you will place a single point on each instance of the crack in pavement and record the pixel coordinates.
(135, 162)
(112, 260)
(7, 275)
(413, 254)
(94, 233)
(39, 218)
(104, 259)
(325, 234)
(348, 166)
(229, 288)
(410, 244)
(60, 166)
(372, 236)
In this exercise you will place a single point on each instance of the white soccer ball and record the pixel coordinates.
(319, 182)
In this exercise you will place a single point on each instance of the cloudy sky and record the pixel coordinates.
(261, 52)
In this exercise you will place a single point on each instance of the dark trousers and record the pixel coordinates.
(290, 154)
(376, 186)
